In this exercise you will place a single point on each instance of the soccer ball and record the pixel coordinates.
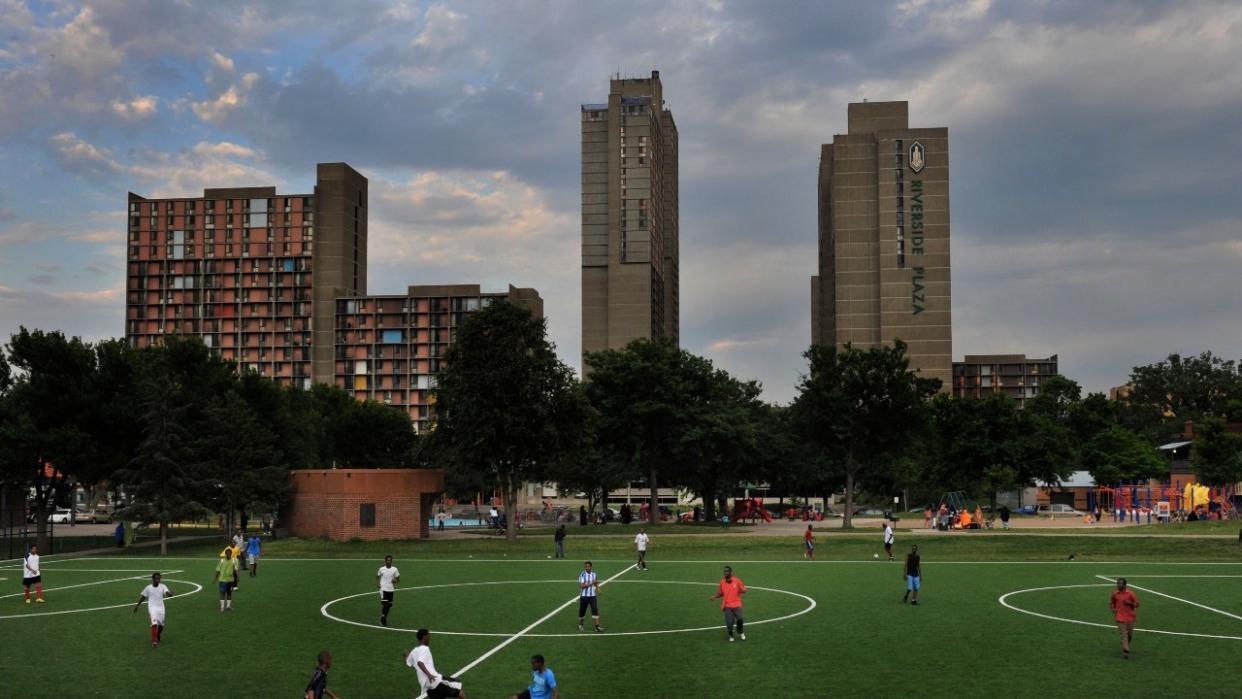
(547, 556)
(875, 555)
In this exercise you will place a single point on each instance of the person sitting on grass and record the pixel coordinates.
(542, 682)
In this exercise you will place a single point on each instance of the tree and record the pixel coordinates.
(861, 408)
(506, 407)
(236, 451)
(1186, 388)
(1116, 454)
(643, 394)
(46, 407)
(164, 481)
(1217, 453)
(720, 445)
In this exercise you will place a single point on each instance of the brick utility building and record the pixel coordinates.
(630, 258)
(1014, 375)
(344, 504)
(389, 348)
(884, 238)
(278, 284)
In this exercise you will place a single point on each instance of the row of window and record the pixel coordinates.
(191, 205)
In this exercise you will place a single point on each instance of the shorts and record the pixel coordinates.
(157, 618)
(250, 559)
(733, 615)
(448, 687)
(524, 694)
(810, 545)
(386, 596)
(584, 602)
(226, 587)
(32, 581)
(914, 582)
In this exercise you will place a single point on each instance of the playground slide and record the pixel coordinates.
(763, 512)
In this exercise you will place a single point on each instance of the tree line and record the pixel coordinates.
(178, 430)
(182, 432)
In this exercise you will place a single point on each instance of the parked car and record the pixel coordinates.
(1025, 510)
(84, 516)
(1054, 510)
(868, 512)
(60, 516)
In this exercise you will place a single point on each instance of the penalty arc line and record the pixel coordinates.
(1177, 599)
(197, 588)
(500, 646)
(1004, 601)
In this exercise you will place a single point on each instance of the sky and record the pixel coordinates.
(1094, 153)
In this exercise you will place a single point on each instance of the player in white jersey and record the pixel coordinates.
(32, 576)
(155, 594)
(588, 591)
(386, 580)
(433, 684)
(888, 539)
(640, 544)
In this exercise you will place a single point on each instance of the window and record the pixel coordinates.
(366, 514)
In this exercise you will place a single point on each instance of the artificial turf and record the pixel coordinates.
(859, 639)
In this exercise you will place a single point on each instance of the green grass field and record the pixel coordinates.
(834, 627)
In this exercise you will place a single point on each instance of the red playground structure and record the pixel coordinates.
(750, 508)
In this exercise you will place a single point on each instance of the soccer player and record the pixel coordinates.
(32, 576)
(730, 592)
(808, 544)
(914, 575)
(386, 579)
(588, 591)
(155, 594)
(542, 682)
(888, 539)
(640, 543)
(253, 548)
(239, 543)
(435, 685)
(319, 681)
(1124, 604)
(559, 537)
(226, 570)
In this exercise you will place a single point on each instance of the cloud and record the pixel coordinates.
(136, 109)
(217, 109)
(442, 29)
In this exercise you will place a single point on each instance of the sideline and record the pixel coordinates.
(500, 646)
(729, 561)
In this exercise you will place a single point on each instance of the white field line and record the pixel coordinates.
(1004, 601)
(1143, 575)
(1177, 599)
(70, 587)
(730, 561)
(500, 646)
(615, 634)
(197, 588)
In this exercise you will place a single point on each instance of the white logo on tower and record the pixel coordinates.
(917, 157)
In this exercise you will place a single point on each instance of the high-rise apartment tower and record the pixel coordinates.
(629, 217)
(884, 238)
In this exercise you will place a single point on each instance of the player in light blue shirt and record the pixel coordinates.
(253, 549)
(542, 682)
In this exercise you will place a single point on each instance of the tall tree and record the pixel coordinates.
(1186, 388)
(862, 409)
(164, 482)
(643, 394)
(1217, 453)
(48, 405)
(1116, 454)
(236, 451)
(506, 407)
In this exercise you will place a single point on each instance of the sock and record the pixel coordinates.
(155, 634)
(39, 590)
(159, 634)
(27, 594)
(221, 605)
(228, 604)
(739, 627)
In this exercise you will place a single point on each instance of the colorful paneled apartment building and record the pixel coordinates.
(278, 284)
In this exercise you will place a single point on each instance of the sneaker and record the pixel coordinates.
(155, 644)
(581, 627)
(383, 621)
(743, 637)
(27, 600)
(599, 629)
(915, 603)
(730, 638)
(39, 601)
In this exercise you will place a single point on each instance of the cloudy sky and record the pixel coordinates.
(1095, 150)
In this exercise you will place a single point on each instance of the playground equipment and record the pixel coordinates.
(750, 508)
(1138, 503)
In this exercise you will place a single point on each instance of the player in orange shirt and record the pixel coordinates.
(731, 590)
(1124, 603)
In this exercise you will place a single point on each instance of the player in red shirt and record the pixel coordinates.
(808, 543)
(730, 593)
(1124, 603)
